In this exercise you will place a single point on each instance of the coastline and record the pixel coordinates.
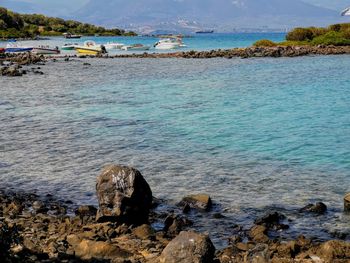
(46, 229)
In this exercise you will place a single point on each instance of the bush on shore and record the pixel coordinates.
(264, 43)
(337, 34)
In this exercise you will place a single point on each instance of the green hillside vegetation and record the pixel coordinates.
(14, 25)
(337, 35)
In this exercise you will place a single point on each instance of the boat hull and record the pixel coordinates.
(2, 50)
(88, 51)
(18, 49)
(45, 51)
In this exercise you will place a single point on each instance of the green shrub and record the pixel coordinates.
(264, 43)
(300, 34)
(331, 38)
(335, 27)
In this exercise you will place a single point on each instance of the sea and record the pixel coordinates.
(257, 135)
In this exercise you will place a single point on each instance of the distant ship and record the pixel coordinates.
(205, 32)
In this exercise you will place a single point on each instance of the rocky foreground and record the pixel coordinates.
(38, 229)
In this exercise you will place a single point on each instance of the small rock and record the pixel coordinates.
(199, 201)
(188, 247)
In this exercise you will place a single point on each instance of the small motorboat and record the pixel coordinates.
(69, 46)
(90, 48)
(14, 47)
(69, 35)
(45, 50)
(135, 47)
(113, 45)
(169, 43)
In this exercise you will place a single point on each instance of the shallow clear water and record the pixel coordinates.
(252, 133)
(194, 42)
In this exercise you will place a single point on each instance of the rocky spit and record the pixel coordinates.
(11, 64)
(120, 229)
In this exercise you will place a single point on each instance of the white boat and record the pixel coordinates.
(113, 45)
(90, 48)
(169, 43)
(135, 47)
(45, 50)
(14, 47)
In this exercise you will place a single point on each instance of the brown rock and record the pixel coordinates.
(144, 232)
(188, 247)
(333, 250)
(199, 201)
(88, 249)
(258, 233)
(123, 195)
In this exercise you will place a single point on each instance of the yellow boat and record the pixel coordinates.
(90, 48)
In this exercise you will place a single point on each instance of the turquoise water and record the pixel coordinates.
(193, 42)
(252, 133)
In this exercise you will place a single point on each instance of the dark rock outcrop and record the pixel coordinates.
(198, 201)
(318, 208)
(123, 195)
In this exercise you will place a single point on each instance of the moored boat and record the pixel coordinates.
(113, 45)
(169, 43)
(69, 35)
(45, 50)
(14, 47)
(2, 50)
(135, 47)
(90, 48)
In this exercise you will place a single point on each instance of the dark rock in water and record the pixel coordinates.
(199, 201)
(173, 225)
(188, 247)
(86, 64)
(347, 202)
(123, 195)
(318, 208)
(272, 221)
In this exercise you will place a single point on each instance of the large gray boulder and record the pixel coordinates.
(188, 247)
(124, 195)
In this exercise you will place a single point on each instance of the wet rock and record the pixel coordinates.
(173, 225)
(86, 210)
(347, 202)
(123, 195)
(272, 221)
(199, 201)
(258, 254)
(39, 207)
(188, 247)
(318, 208)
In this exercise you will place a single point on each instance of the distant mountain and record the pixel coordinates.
(223, 14)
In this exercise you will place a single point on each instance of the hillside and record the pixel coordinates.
(14, 25)
(219, 13)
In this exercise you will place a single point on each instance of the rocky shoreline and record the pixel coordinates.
(127, 227)
(12, 64)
